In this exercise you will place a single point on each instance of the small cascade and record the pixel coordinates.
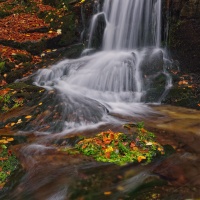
(129, 70)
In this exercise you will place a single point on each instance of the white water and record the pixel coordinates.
(132, 24)
(116, 79)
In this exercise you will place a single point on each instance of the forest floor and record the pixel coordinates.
(30, 34)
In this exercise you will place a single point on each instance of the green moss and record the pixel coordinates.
(186, 97)
(120, 148)
(22, 58)
(7, 102)
(4, 14)
(9, 162)
(2, 67)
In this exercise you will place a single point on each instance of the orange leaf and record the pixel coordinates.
(84, 146)
(106, 140)
(3, 158)
(143, 130)
(140, 158)
(3, 82)
(132, 144)
(135, 148)
(5, 91)
(107, 154)
(107, 193)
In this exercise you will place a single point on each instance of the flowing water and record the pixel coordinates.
(103, 89)
(119, 77)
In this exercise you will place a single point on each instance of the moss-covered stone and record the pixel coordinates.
(186, 97)
(184, 29)
(17, 94)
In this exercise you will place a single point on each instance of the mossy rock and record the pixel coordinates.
(22, 58)
(185, 97)
(34, 48)
(154, 94)
(54, 3)
(120, 148)
(4, 14)
(14, 75)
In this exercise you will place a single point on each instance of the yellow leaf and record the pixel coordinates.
(12, 124)
(10, 139)
(3, 141)
(28, 117)
(40, 104)
(109, 149)
(120, 188)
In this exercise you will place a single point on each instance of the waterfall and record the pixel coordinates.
(129, 71)
(129, 24)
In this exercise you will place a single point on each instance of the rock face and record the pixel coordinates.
(184, 31)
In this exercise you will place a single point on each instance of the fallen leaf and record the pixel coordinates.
(5, 91)
(10, 139)
(107, 193)
(3, 141)
(28, 117)
(19, 121)
(149, 143)
(140, 158)
(132, 144)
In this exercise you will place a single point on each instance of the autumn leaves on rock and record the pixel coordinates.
(120, 148)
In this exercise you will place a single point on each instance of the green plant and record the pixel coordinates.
(8, 161)
(8, 102)
(120, 148)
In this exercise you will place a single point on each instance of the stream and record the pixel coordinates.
(123, 83)
(49, 173)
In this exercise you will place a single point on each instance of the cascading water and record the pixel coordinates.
(132, 24)
(119, 77)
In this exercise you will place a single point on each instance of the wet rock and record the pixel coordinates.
(96, 40)
(153, 77)
(180, 169)
(152, 63)
(184, 29)
(185, 97)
